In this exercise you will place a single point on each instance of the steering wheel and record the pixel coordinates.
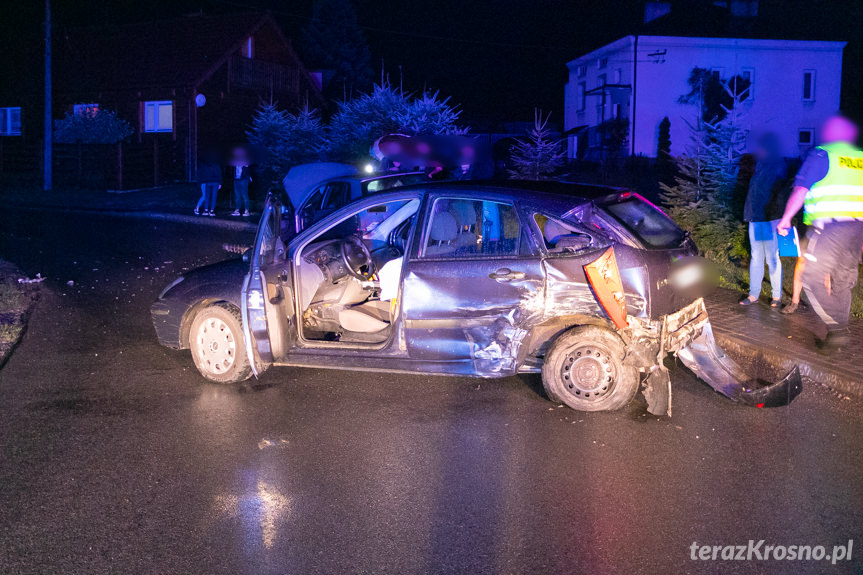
(357, 259)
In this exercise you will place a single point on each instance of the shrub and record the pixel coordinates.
(101, 127)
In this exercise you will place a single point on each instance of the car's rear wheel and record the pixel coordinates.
(217, 344)
(584, 369)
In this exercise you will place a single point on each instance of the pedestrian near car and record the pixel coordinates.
(762, 213)
(210, 179)
(242, 177)
(829, 188)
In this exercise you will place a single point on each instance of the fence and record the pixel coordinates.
(99, 166)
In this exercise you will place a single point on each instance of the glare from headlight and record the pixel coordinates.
(171, 286)
(369, 169)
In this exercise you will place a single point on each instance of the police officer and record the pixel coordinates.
(829, 188)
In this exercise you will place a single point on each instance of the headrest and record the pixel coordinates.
(444, 227)
(464, 212)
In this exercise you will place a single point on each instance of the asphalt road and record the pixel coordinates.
(116, 457)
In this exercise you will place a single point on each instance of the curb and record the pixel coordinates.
(143, 215)
(817, 369)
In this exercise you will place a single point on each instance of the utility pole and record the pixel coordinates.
(47, 154)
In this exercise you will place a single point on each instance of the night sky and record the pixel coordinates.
(498, 58)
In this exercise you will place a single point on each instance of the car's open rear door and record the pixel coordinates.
(267, 295)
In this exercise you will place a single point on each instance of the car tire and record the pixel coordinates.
(584, 369)
(217, 344)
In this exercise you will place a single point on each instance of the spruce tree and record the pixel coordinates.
(701, 197)
(664, 161)
(538, 157)
(333, 41)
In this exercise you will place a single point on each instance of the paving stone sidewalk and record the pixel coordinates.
(760, 334)
(173, 203)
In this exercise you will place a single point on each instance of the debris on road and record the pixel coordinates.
(36, 280)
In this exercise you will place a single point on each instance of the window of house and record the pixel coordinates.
(806, 137)
(581, 71)
(618, 76)
(602, 63)
(248, 49)
(10, 121)
(748, 76)
(809, 85)
(582, 96)
(616, 110)
(462, 228)
(159, 116)
(88, 110)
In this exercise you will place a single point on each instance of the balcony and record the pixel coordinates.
(263, 76)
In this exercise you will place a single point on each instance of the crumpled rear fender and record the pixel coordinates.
(707, 360)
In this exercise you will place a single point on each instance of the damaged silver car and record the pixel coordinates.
(591, 287)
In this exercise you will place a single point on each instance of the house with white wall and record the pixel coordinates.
(794, 87)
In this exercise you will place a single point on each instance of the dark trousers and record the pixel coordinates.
(209, 191)
(241, 195)
(832, 259)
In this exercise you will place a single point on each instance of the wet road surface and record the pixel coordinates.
(116, 457)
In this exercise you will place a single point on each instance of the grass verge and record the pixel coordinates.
(16, 300)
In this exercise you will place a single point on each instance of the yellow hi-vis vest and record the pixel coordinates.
(840, 193)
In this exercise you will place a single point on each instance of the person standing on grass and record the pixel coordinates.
(210, 178)
(242, 178)
(829, 188)
(763, 215)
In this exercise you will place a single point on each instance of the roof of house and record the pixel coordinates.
(776, 20)
(180, 52)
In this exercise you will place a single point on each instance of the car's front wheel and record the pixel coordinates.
(217, 344)
(584, 369)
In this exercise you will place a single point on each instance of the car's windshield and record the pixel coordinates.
(373, 223)
(646, 222)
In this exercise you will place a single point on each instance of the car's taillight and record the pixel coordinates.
(604, 278)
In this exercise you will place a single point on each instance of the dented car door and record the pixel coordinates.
(472, 285)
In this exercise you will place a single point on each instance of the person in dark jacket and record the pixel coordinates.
(210, 178)
(242, 176)
(762, 211)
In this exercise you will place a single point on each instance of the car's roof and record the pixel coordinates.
(547, 191)
(554, 197)
(550, 187)
(371, 177)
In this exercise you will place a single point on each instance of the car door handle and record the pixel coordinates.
(506, 275)
(283, 277)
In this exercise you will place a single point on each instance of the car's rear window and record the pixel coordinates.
(390, 182)
(646, 222)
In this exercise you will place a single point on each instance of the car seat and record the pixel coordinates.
(465, 217)
(442, 236)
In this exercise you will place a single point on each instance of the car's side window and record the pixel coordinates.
(337, 195)
(560, 237)
(269, 237)
(463, 228)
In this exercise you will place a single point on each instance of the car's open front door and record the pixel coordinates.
(267, 293)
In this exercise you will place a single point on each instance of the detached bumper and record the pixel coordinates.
(689, 335)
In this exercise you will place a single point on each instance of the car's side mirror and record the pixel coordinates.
(247, 255)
